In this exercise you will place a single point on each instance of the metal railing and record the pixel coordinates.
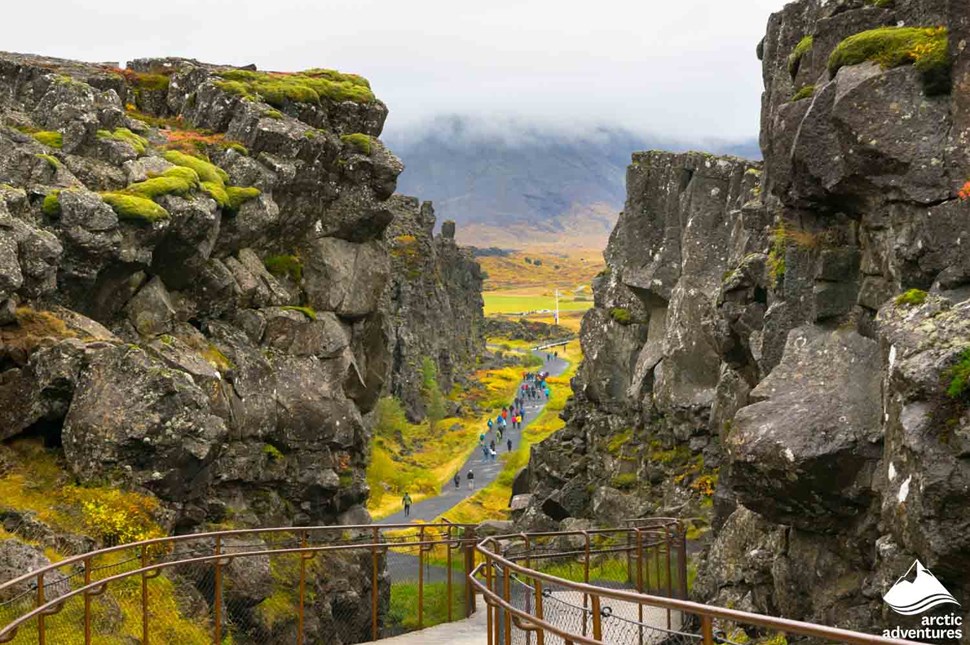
(626, 585)
(301, 584)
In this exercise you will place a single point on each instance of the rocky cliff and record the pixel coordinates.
(434, 304)
(803, 330)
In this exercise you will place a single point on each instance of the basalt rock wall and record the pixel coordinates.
(434, 304)
(797, 334)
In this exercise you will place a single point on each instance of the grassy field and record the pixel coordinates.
(492, 501)
(506, 302)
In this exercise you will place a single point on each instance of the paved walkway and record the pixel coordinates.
(429, 509)
(471, 631)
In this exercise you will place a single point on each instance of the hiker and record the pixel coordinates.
(509, 444)
(556, 355)
(494, 454)
(471, 480)
(457, 480)
(481, 439)
(518, 420)
(406, 500)
(490, 424)
(492, 445)
(484, 452)
(505, 413)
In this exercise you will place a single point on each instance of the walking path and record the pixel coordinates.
(429, 509)
(471, 631)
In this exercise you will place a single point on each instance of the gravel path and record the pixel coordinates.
(429, 509)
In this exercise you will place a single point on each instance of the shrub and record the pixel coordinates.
(49, 138)
(138, 142)
(964, 193)
(926, 48)
(805, 92)
(959, 376)
(52, 204)
(358, 140)
(132, 207)
(795, 58)
(288, 265)
(912, 298)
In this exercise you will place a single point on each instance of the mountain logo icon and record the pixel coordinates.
(919, 595)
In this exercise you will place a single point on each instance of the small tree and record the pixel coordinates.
(433, 397)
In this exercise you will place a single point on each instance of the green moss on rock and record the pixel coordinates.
(138, 142)
(959, 376)
(134, 208)
(285, 265)
(49, 138)
(309, 312)
(310, 86)
(206, 170)
(358, 140)
(795, 58)
(51, 161)
(52, 204)
(926, 48)
(805, 92)
(621, 315)
(911, 298)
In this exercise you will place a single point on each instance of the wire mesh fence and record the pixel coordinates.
(316, 585)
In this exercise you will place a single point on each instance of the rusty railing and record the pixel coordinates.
(626, 585)
(299, 584)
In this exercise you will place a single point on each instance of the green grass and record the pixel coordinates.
(805, 92)
(404, 604)
(49, 138)
(134, 208)
(795, 58)
(926, 48)
(138, 142)
(358, 140)
(911, 298)
(504, 303)
(310, 86)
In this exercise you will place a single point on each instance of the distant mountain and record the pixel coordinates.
(519, 178)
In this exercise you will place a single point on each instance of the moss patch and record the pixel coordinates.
(805, 92)
(310, 86)
(959, 376)
(134, 208)
(52, 204)
(621, 315)
(49, 138)
(51, 161)
(138, 142)
(285, 265)
(358, 140)
(624, 481)
(911, 298)
(309, 312)
(795, 58)
(926, 48)
(206, 170)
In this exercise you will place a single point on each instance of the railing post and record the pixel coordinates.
(302, 590)
(540, 634)
(585, 580)
(670, 572)
(469, 568)
(144, 596)
(420, 578)
(507, 595)
(640, 581)
(448, 572)
(597, 619)
(528, 600)
(489, 608)
(682, 559)
(41, 627)
(217, 600)
(374, 597)
(87, 602)
(707, 630)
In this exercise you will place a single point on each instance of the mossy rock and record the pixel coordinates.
(310, 86)
(805, 92)
(795, 58)
(206, 170)
(51, 161)
(621, 315)
(285, 265)
(309, 312)
(926, 48)
(358, 140)
(959, 375)
(911, 298)
(49, 138)
(134, 208)
(52, 204)
(138, 142)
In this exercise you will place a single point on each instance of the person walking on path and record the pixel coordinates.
(494, 454)
(509, 444)
(406, 500)
(471, 480)
(457, 480)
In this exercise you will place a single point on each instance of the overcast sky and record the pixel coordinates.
(671, 67)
